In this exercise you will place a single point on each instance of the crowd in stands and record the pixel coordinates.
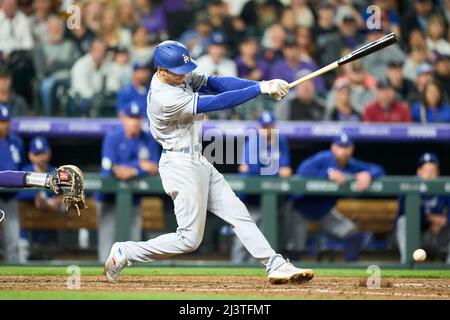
(59, 61)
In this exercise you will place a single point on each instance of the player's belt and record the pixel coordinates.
(191, 149)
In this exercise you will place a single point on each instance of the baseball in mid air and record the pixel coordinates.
(419, 255)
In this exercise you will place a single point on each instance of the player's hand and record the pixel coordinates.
(337, 176)
(149, 166)
(279, 89)
(124, 173)
(363, 181)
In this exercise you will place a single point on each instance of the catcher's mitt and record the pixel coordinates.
(68, 181)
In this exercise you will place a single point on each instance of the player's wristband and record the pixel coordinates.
(34, 179)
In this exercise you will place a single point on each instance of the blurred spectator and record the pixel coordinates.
(261, 14)
(15, 30)
(16, 42)
(417, 18)
(404, 88)
(287, 67)
(120, 71)
(136, 91)
(128, 17)
(127, 152)
(347, 37)
(39, 154)
(177, 12)
(446, 7)
(434, 214)
(153, 18)
(53, 58)
(339, 166)
(347, 9)
(441, 67)
(302, 13)
(424, 75)
(305, 105)
(343, 109)
(39, 20)
(252, 66)
(218, 15)
(436, 35)
(88, 77)
(141, 50)
(198, 38)
(325, 24)
(17, 104)
(417, 55)
(82, 35)
(92, 11)
(387, 108)
(273, 42)
(12, 157)
(288, 22)
(377, 62)
(249, 64)
(390, 20)
(215, 61)
(266, 154)
(362, 84)
(432, 108)
(111, 32)
(306, 45)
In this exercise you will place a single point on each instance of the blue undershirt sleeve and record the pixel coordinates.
(216, 85)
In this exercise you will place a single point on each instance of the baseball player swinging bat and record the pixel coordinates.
(355, 55)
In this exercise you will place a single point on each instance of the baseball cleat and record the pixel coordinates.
(116, 262)
(288, 273)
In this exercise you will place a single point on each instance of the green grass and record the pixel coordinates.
(210, 271)
(137, 271)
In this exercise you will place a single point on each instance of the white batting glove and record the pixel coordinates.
(278, 89)
(265, 86)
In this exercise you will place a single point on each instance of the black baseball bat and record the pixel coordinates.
(365, 50)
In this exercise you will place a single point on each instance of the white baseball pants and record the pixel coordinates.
(195, 186)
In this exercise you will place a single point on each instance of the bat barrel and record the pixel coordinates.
(369, 48)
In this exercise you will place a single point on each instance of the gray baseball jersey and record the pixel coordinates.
(172, 111)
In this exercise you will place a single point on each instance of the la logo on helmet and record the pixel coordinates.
(186, 58)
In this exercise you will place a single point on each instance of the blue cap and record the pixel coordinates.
(428, 157)
(141, 65)
(266, 118)
(5, 115)
(343, 140)
(173, 56)
(39, 145)
(424, 68)
(132, 110)
(218, 39)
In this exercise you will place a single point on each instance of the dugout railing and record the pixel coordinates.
(271, 187)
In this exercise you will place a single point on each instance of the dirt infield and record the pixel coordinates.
(241, 286)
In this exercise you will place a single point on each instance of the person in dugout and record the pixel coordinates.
(337, 165)
(272, 158)
(434, 214)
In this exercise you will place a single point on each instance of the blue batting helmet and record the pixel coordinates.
(174, 56)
